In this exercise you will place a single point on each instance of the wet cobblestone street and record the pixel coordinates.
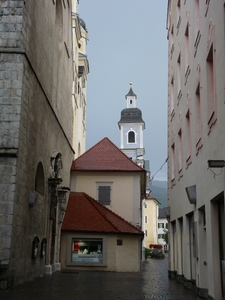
(151, 283)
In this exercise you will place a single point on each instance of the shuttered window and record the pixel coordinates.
(104, 195)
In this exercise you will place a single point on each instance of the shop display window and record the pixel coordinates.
(86, 250)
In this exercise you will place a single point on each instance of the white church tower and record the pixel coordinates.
(131, 128)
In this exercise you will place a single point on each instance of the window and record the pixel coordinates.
(179, 77)
(83, 250)
(104, 192)
(187, 52)
(198, 118)
(202, 218)
(146, 232)
(39, 180)
(131, 137)
(188, 138)
(59, 18)
(211, 88)
(180, 152)
(130, 101)
(119, 242)
(197, 18)
(160, 225)
(87, 250)
(104, 195)
(145, 205)
(172, 97)
(146, 219)
(160, 236)
(172, 171)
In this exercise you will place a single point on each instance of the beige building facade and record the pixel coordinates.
(106, 174)
(150, 208)
(99, 239)
(125, 191)
(116, 259)
(196, 93)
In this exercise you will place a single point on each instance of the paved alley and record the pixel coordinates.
(151, 283)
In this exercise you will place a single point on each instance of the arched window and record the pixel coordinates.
(39, 180)
(131, 137)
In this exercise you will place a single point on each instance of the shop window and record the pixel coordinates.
(87, 250)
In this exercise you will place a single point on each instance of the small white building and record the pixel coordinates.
(162, 231)
(150, 208)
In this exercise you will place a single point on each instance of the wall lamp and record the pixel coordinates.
(216, 163)
(191, 193)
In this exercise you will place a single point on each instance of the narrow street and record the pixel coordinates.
(151, 283)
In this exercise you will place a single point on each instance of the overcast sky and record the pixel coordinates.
(127, 42)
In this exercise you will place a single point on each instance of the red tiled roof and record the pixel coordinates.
(104, 156)
(84, 214)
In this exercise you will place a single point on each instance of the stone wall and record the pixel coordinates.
(35, 120)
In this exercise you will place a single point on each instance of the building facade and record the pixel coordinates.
(162, 231)
(80, 72)
(196, 108)
(36, 134)
(150, 208)
(106, 174)
(99, 239)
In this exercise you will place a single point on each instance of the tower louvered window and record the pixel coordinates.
(131, 137)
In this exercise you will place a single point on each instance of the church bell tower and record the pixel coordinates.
(131, 127)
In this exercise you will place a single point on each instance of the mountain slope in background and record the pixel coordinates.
(158, 189)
